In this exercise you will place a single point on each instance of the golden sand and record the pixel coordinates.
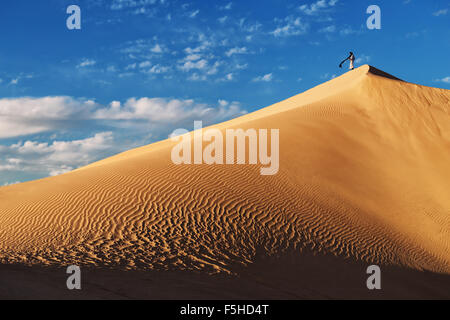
(364, 175)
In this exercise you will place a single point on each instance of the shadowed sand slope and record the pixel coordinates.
(364, 178)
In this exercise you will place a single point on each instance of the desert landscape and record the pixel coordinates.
(364, 178)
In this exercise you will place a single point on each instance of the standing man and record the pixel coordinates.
(351, 58)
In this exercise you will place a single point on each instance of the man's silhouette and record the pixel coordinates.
(351, 58)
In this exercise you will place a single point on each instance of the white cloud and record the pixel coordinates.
(192, 57)
(214, 69)
(317, 6)
(197, 77)
(156, 49)
(265, 78)
(328, 29)
(62, 169)
(143, 49)
(228, 6)
(194, 14)
(162, 110)
(125, 74)
(229, 77)
(111, 69)
(189, 65)
(86, 63)
(223, 103)
(158, 69)
(198, 49)
(222, 19)
(441, 12)
(64, 150)
(10, 183)
(242, 66)
(24, 116)
(253, 28)
(17, 79)
(363, 59)
(347, 31)
(28, 116)
(56, 157)
(291, 27)
(6, 167)
(124, 4)
(445, 80)
(145, 64)
(236, 50)
(43, 108)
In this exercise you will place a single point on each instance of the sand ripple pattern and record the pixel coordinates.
(364, 174)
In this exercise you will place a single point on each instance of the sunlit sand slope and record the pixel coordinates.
(364, 175)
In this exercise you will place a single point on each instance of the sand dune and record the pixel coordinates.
(364, 178)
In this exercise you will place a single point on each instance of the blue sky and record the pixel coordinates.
(138, 69)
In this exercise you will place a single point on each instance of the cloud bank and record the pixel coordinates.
(107, 129)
